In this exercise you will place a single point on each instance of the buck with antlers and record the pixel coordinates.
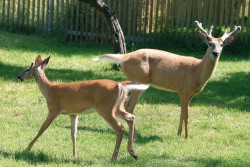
(105, 96)
(185, 75)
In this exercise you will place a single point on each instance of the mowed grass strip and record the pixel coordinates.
(219, 116)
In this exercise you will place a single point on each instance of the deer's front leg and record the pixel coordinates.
(185, 100)
(46, 124)
(74, 122)
(183, 118)
(180, 125)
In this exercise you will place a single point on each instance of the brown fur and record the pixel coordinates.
(185, 75)
(105, 96)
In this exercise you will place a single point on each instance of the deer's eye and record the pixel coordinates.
(210, 44)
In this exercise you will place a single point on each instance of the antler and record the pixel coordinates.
(226, 35)
(208, 34)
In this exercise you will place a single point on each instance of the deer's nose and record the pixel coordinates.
(215, 54)
(20, 78)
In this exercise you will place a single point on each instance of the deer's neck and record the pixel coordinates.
(43, 83)
(207, 67)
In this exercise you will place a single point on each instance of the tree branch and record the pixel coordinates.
(120, 45)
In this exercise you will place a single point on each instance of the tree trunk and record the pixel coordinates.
(120, 45)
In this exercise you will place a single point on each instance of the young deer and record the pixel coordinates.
(105, 96)
(185, 75)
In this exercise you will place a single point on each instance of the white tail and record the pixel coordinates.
(105, 96)
(112, 58)
(185, 75)
(134, 86)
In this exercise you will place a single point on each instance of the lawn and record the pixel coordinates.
(219, 116)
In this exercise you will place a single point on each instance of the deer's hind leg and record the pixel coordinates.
(130, 119)
(116, 126)
(129, 105)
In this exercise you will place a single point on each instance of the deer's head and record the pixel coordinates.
(32, 70)
(215, 45)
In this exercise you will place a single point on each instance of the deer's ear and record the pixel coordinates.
(203, 37)
(31, 65)
(38, 61)
(229, 40)
(45, 62)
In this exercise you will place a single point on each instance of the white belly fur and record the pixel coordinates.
(87, 111)
(158, 87)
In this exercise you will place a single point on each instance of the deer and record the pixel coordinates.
(184, 75)
(104, 96)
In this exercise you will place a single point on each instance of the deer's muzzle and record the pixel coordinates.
(215, 54)
(20, 78)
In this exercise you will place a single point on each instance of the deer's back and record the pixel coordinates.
(80, 96)
(160, 68)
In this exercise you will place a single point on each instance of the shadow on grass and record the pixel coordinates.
(41, 158)
(35, 158)
(10, 72)
(232, 91)
(207, 162)
(187, 160)
(140, 138)
(50, 45)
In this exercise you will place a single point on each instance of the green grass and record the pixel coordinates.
(219, 116)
